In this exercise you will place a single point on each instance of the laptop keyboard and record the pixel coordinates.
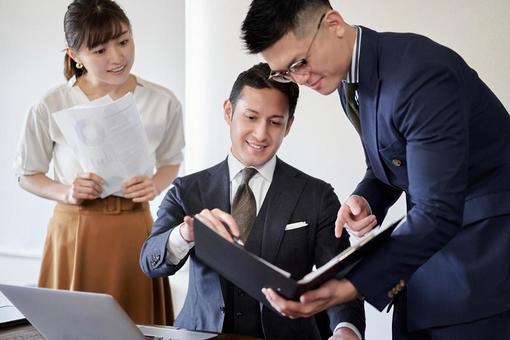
(25, 335)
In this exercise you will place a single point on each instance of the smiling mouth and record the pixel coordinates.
(257, 147)
(118, 69)
(315, 84)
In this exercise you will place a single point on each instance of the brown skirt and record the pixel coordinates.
(95, 247)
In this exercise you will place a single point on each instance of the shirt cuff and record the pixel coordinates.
(177, 247)
(350, 326)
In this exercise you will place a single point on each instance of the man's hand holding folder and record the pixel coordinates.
(272, 286)
(219, 221)
(331, 293)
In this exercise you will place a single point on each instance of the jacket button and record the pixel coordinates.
(396, 162)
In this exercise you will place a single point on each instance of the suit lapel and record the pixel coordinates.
(281, 200)
(215, 193)
(368, 92)
(215, 189)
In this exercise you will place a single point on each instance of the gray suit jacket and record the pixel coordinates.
(292, 197)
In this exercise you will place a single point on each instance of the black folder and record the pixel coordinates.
(252, 273)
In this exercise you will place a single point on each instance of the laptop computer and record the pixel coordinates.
(70, 315)
(9, 315)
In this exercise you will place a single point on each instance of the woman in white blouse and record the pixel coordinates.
(93, 244)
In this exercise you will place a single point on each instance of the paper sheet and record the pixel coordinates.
(109, 140)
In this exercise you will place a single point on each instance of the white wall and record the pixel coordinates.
(198, 56)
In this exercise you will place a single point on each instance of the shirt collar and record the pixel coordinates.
(72, 81)
(266, 170)
(353, 74)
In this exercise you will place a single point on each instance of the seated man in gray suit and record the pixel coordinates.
(291, 225)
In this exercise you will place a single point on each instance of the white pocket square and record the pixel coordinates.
(296, 225)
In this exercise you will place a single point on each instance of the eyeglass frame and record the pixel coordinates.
(285, 76)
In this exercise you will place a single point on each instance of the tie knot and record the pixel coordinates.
(248, 173)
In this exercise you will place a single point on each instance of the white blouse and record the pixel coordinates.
(42, 142)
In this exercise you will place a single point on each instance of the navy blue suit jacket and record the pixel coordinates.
(432, 129)
(292, 197)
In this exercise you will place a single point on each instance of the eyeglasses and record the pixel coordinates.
(298, 67)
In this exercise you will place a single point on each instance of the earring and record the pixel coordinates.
(79, 65)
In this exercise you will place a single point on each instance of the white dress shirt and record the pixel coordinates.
(177, 247)
(42, 142)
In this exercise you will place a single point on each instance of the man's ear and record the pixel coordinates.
(289, 124)
(228, 111)
(333, 21)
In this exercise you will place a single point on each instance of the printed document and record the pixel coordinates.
(109, 140)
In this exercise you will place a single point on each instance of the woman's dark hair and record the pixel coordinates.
(91, 22)
(257, 77)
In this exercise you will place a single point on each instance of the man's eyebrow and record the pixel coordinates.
(252, 110)
(278, 115)
(292, 62)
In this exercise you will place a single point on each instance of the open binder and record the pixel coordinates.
(252, 273)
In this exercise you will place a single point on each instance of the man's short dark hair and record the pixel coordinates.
(257, 77)
(268, 21)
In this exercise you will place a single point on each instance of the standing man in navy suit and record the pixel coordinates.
(294, 223)
(430, 128)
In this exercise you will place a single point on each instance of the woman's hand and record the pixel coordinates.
(86, 186)
(140, 189)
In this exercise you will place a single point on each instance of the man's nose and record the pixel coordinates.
(260, 131)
